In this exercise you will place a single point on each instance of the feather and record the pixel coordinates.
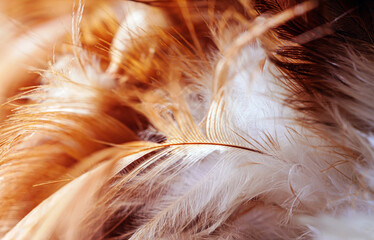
(202, 121)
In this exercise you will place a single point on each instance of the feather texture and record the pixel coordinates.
(189, 120)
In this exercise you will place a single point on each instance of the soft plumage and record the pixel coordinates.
(187, 120)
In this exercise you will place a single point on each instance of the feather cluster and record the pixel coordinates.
(187, 119)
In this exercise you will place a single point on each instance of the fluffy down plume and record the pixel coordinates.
(187, 119)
